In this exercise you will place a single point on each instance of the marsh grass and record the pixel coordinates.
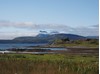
(48, 64)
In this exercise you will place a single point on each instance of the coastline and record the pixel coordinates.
(41, 50)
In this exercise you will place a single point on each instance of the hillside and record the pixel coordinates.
(43, 38)
(93, 37)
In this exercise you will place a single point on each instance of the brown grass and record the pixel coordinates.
(17, 64)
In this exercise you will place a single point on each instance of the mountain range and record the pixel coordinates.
(45, 38)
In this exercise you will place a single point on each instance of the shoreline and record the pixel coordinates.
(48, 51)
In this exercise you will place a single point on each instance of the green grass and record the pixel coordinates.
(48, 64)
(81, 45)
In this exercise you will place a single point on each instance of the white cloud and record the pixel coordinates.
(86, 31)
(30, 25)
(31, 29)
(11, 35)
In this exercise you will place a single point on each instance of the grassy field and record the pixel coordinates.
(78, 43)
(48, 64)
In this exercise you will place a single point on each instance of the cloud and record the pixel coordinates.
(96, 26)
(30, 25)
(31, 29)
(54, 32)
(11, 35)
(87, 31)
(16, 24)
(44, 32)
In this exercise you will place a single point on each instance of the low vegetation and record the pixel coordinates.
(82, 43)
(48, 64)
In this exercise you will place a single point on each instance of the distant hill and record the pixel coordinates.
(30, 40)
(70, 36)
(42, 35)
(43, 38)
(93, 37)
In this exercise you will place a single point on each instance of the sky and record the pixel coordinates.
(29, 17)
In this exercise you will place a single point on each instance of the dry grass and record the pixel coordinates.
(48, 64)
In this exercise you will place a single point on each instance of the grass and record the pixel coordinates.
(80, 45)
(48, 64)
